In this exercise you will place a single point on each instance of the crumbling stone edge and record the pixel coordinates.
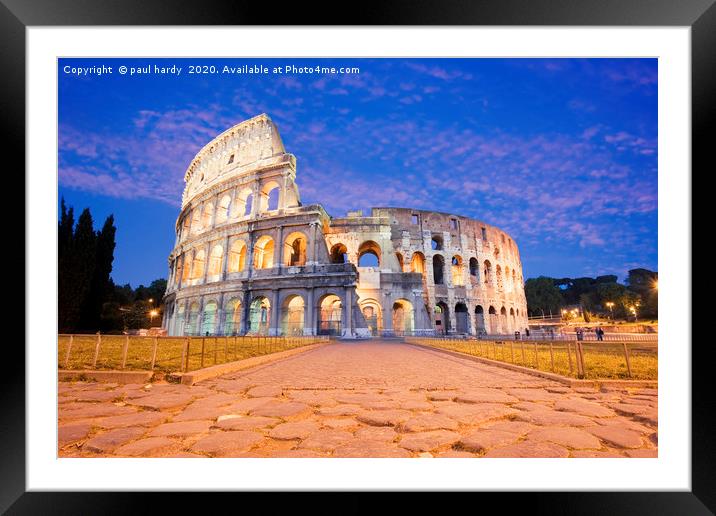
(569, 382)
(190, 378)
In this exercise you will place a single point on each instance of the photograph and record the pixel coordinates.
(388, 257)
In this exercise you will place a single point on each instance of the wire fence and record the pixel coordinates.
(168, 354)
(576, 359)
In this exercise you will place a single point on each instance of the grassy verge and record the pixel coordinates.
(602, 360)
(171, 355)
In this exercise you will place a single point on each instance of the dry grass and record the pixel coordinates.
(603, 360)
(203, 351)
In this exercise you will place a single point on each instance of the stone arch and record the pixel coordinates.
(232, 316)
(259, 316)
(180, 319)
(493, 320)
(330, 315)
(244, 203)
(293, 311)
(207, 216)
(399, 256)
(339, 253)
(458, 278)
(186, 266)
(215, 260)
(442, 317)
(498, 277)
(487, 272)
(438, 269)
(237, 256)
(503, 321)
(195, 220)
(367, 249)
(294, 254)
(269, 198)
(436, 243)
(197, 265)
(513, 321)
(192, 319)
(417, 263)
(263, 253)
(209, 318)
(223, 209)
(461, 318)
(480, 320)
(403, 317)
(373, 315)
(474, 267)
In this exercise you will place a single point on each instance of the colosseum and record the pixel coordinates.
(250, 258)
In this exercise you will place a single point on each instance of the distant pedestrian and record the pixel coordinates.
(600, 334)
(580, 333)
(527, 332)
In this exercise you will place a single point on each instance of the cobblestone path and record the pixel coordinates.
(366, 399)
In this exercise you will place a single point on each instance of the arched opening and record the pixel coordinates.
(461, 318)
(494, 320)
(498, 277)
(237, 256)
(292, 316)
(186, 272)
(263, 253)
(330, 315)
(474, 270)
(487, 272)
(339, 254)
(244, 203)
(372, 315)
(232, 317)
(513, 322)
(400, 261)
(438, 267)
(186, 225)
(196, 220)
(508, 285)
(259, 316)
(417, 264)
(442, 319)
(403, 317)
(207, 216)
(458, 279)
(197, 266)
(208, 320)
(436, 243)
(179, 321)
(269, 196)
(503, 321)
(217, 253)
(193, 318)
(222, 211)
(480, 320)
(369, 254)
(294, 252)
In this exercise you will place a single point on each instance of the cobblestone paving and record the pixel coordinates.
(367, 399)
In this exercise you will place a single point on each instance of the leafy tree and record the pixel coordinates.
(543, 296)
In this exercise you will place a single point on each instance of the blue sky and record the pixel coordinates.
(560, 153)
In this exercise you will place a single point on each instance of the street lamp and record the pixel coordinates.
(610, 305)
(152, 315)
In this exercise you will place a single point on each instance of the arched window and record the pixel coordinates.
(263, 253)
(232, 317)
(436, 243)
(269, 196)
(244, 203)
(237, 256)
(208, 321)
(294, 252)
(222, 212)
(438, 268)
(417, 264)
(458, 279)
(217, 253)
(207, 215)
(400, 261)
(196, 220)
(487, 272)
(369, 254)
(498, 277)
(339, 254)
(474, 268)
(197, 266)
(186, 272)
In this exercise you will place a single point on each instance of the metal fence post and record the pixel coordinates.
(154, 353)
(124, 351)
(626, 357)
(512, 352)
(551, 355)
(536, 356)
(69, 348)
(216, 349)
(522, 347)
(203, 340)
(569, 357)
(184, 365)
(96, 351)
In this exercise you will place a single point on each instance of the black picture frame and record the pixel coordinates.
(700, 15)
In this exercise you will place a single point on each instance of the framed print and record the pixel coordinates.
(304, 258)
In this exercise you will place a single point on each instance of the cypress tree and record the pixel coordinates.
(101, 287)
(79, 271)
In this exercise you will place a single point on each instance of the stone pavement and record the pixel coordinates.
(364, 399)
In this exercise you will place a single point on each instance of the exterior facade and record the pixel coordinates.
(250, 258)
